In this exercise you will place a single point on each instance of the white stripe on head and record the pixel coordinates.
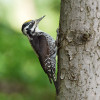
(25, 30)
(32, 29)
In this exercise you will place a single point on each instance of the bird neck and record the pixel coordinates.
(38, 30)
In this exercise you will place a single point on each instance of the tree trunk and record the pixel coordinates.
(79, 50)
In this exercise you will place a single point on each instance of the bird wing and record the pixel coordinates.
(43, 46)
(44, 56)
(40, 45)
(35, 44)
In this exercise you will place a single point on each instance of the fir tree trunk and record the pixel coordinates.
(79, 50)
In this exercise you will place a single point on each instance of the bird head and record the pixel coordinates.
(31, 25)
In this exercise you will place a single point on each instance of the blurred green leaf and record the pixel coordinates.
(21, 76)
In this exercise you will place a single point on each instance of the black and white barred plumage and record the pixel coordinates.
(44, 45)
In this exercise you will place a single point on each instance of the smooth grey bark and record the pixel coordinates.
(79, 50)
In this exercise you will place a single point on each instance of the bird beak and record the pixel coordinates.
(38, 20)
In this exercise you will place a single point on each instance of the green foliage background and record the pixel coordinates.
(21, 76)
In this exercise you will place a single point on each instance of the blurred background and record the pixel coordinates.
(21, 76)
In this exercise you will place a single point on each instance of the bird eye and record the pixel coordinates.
(27, 29)
(31, 25)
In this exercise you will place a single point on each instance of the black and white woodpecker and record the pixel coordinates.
(44, 45)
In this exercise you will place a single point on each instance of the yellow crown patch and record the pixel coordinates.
(28, 21)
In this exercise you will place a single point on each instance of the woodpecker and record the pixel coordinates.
(44, 46)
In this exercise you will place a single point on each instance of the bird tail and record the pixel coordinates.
(54, 80)
(55, 83)
(50, 80)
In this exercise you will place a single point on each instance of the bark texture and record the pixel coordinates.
(79, 52)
